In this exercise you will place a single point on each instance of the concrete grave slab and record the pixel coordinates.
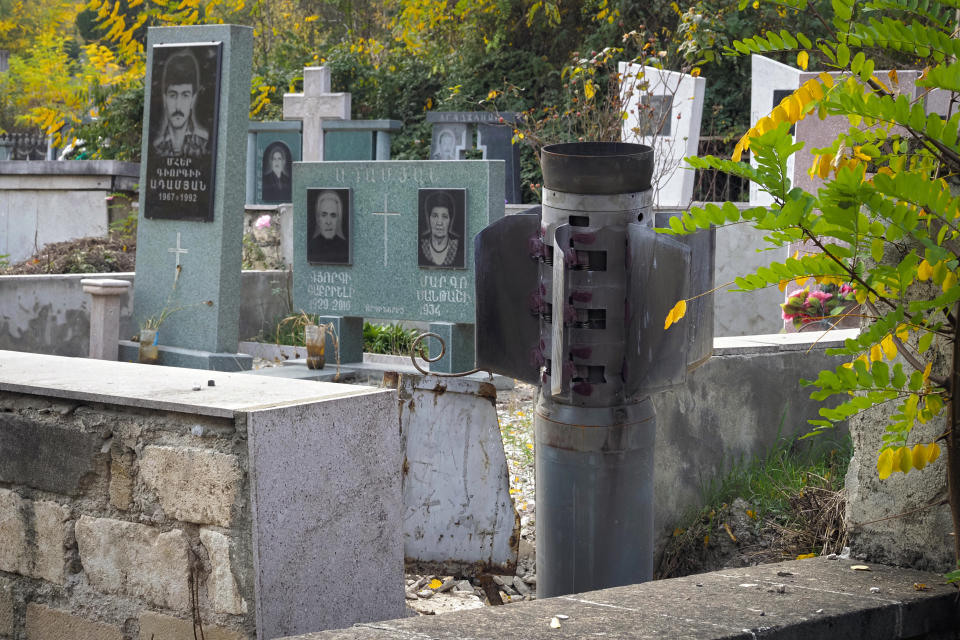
(300, 484)
(358, 139)
(664, 109)
(817, 598)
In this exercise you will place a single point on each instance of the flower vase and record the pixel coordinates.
(315, 337)
(148, 352)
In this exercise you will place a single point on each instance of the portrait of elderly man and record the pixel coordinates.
(180, 134)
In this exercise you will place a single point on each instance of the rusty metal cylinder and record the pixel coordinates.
(594, 482)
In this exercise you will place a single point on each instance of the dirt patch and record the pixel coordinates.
(113, 254)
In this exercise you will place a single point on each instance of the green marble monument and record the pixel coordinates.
(192, 191)
(393, 241)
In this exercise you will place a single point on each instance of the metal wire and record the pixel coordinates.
(443, 351)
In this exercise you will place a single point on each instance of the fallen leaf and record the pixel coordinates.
(729, 532)
(435, 584)
(920, 586)
(806, 556)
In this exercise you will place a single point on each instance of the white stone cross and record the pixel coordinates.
(312, 107)
(385, 213)
(177, 251)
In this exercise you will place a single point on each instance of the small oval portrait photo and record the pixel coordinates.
(277, 165)
(328, 226)
(442, 228)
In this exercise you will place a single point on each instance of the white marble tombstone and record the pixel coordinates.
(664, 109)
(313, 106)
(770, 82)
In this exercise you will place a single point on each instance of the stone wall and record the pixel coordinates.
(51, 313)
(121, 524)
(134, 502)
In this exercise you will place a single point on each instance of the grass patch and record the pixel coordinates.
(390, 339)
(766, 509)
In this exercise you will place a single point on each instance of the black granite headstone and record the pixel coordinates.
(182, 130)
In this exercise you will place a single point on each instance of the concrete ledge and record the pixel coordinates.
(817, 598)
(189, 358)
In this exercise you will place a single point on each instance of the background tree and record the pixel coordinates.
(887, 222)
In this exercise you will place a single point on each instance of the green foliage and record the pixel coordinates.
(390, 339)
(885, 219)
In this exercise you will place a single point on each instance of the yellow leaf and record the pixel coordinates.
(926, 371)
(311, 18)
(826, 79)
(677, 532)
(492, 94)
(588, 90)
(679, 310)
(435, 584)
(903, 332)
(919, 456)
(876, 353)
(806, 556)
(695, 72)
(904, 459)
(889, 347)
(892, 74)
(885, 464)
(949, 281)
(803, 59)
(738, 150)
(933, 452)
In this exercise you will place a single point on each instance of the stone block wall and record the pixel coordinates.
(121, 523)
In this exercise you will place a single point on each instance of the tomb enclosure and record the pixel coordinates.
(123, 486)
(192, 194)
(664, 109)
(376, 264)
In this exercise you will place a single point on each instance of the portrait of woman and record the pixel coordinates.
(442, 228)
(276, 173)
(328, 226)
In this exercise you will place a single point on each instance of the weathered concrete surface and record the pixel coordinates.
(194, 485)
(156, 626)
(135, 560)
(6, 609)
(222, 589)
(33, 535)
(51, 313)
(149, 387)
(43, 202)
(457, 512)
(740, 403)
(44, 623)
(326, 497)
(30, 451)
(799, 600)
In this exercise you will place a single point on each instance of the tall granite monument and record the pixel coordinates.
(192, 194)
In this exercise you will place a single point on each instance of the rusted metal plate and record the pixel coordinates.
(508, 297)
(458, 517)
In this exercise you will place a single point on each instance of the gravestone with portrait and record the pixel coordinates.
(664, 109)
(272, 148)
(191, 198)
(453, 136)
(393, 241)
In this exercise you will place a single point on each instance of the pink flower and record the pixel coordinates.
(822, 296)
(262, 221)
